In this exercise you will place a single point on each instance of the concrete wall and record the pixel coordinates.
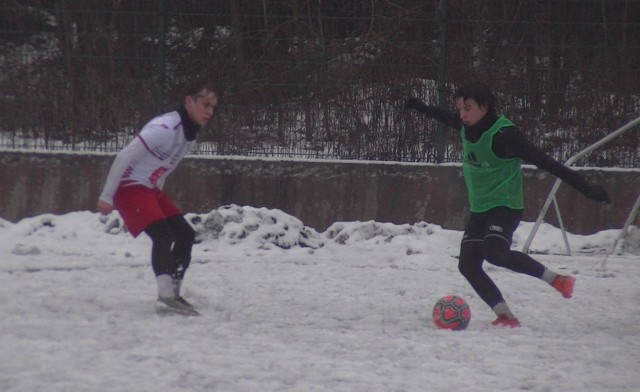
(317, 192)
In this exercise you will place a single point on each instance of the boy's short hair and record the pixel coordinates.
(479, 92)
(195, 87)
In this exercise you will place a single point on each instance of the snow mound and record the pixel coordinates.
(631, 241)
(262, 226)
(346, 233)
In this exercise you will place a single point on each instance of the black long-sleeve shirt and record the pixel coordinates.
(510, 142)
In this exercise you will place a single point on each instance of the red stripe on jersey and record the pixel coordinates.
(147, 147)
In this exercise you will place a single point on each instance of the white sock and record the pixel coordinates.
(165, 286)
(502, 309)
(548, 275)
(177, 283)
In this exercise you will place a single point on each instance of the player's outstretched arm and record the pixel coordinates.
(443, 115)
(416, 104)
(513, 143)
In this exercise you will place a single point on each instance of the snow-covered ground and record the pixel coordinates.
(285, 308)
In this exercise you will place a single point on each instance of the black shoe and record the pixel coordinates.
(185, 302)
(177, 305)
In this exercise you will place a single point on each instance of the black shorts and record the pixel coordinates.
(499, 221)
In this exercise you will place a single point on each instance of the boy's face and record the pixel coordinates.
(469, 110)
(200, 107)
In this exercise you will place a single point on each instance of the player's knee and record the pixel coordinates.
(183, 231)
(191, 235)
(470, 267)
(186, 234)
(160, 232)
(471, 259)
(464, 268)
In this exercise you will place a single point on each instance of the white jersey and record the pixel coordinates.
(150, 157)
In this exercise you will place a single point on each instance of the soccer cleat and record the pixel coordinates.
(185, 302)
(564, 284)
(177, 305)
(504, 321)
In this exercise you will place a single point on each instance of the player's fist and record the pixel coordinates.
(596, 192)
(414, 103)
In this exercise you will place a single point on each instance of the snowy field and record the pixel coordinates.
(285, 308)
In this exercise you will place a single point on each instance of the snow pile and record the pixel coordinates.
(631, 241)
(549, 241)
(261, 226)
(232, 224)
(352, 232)
(265, 228)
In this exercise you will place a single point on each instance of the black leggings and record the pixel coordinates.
(488, 237)
(172, 240)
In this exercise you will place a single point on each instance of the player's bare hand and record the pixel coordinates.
(104, 207)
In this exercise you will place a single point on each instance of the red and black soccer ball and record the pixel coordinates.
(451, 312)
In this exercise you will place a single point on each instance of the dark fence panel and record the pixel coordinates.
(319, 79)
(319, 193)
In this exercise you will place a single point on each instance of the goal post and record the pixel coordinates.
(552, 194)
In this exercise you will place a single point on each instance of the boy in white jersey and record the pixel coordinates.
(134, 188)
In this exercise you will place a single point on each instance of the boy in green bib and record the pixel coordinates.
(493, 151)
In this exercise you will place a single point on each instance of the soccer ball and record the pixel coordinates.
(451, 312)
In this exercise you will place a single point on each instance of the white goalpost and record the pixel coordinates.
(552, 195)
